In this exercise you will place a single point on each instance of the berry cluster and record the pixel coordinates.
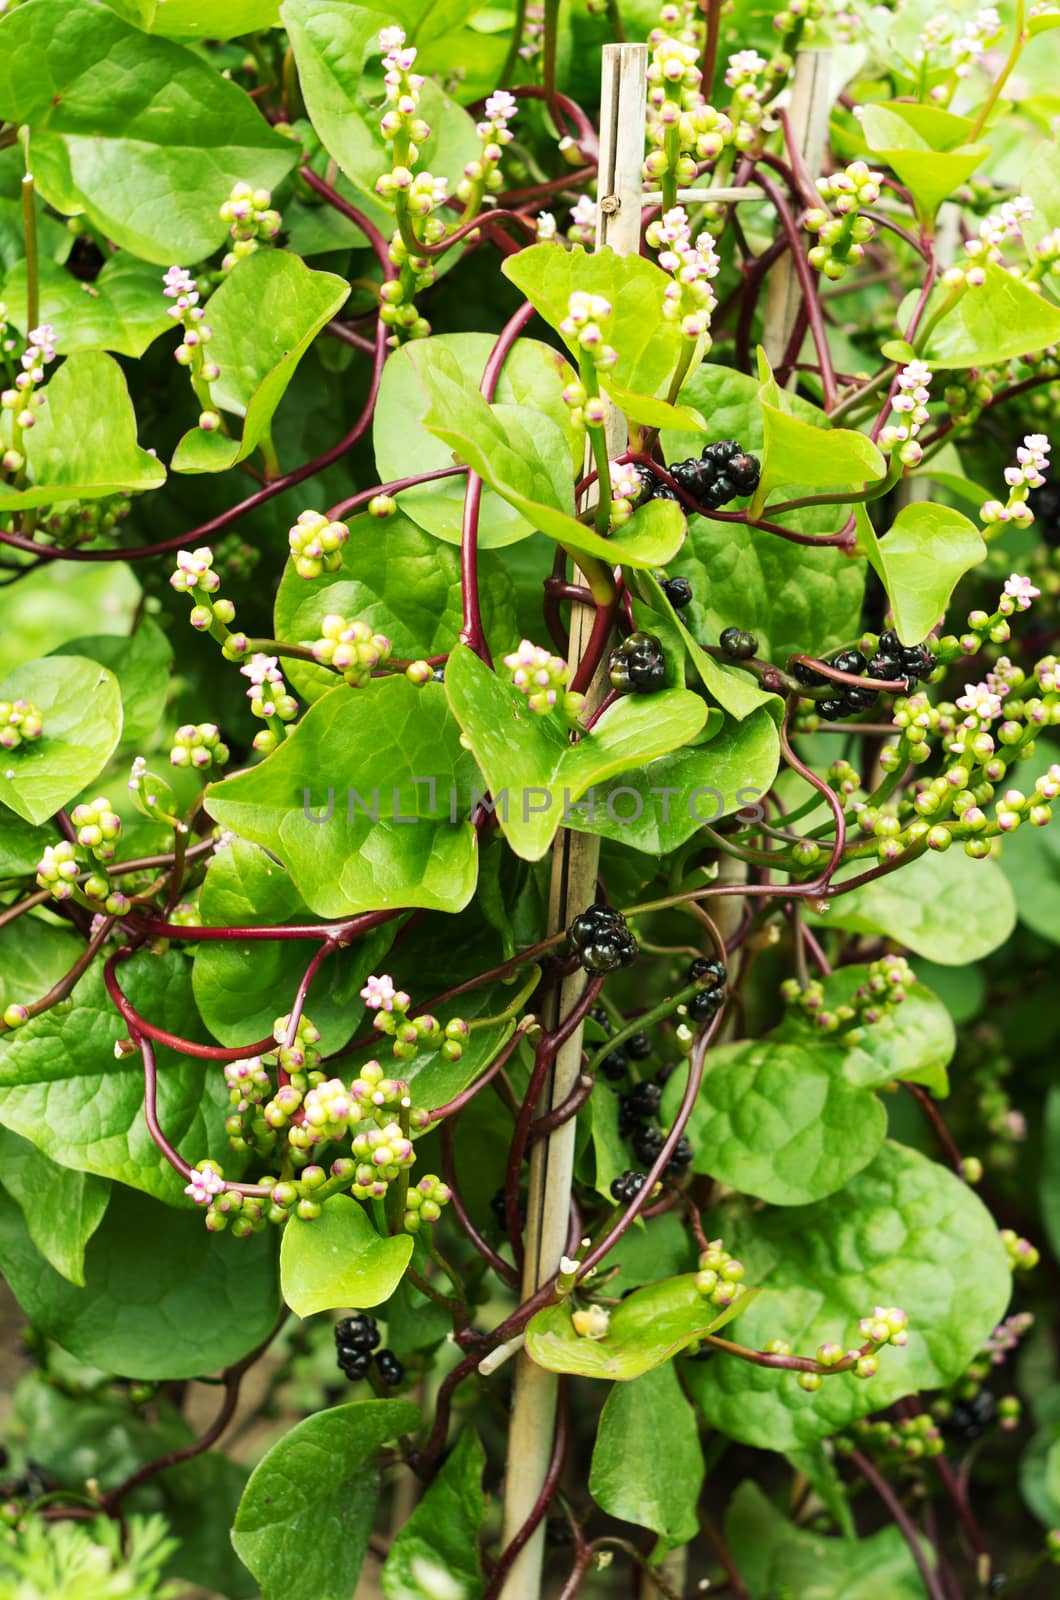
(601, 939)
(890, 662)
(713, 976)
(722, 472)
(251, 218)
(1022, 1255)
(841, 239)
(179, 285)
(20, 720)
(885, 987)
(627, 1186)
(638, 665)
(316, 544)
(350, 648)
(356, 1338)
(411, 1034)
(198, 745)
(543, 679)
(887, 1325)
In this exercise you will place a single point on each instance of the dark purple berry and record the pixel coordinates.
(627, 1186)
(739, 644)
(638, 664)
(644, 1100)
(647, 1142)
(614, 1066)
(678, 591)
(832, 709)
(703, 969)
(354, 1363)
(601, 939)
(638, 1047)
(681, 1159)
(359, 1332)
(849, 661)
(705, 1005)
(391, 1370)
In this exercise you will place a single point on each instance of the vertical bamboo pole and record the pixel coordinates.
(574, 867)
(808, 113)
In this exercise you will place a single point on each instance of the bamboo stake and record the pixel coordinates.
(574, 868)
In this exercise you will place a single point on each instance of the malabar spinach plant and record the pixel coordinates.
(520, 761)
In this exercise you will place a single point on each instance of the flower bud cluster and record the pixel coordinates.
(1022, 1255)
(415, 195)
(720, 1275)
(964, 42)
(1032, 464)
(584, 215)
(62, 865)
(886, 986)
(996, 232)
(269, 699)
(586, 324)
(350, 648)
(542, 678)
(682, 128)
(20, 720)
(25, 399)
(688, 298)
(82, 521)
(198, 745)
(411, 1034)
(98, 827)
(316, 544)
(842, 237)
(180, 287)
(626, 489)
(251, 218)
(911, 407)
(483, 175)
(424, 1202)
(752, 80)
(898, 1443)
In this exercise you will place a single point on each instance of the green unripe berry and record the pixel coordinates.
(309, 1210)
(810, 1381)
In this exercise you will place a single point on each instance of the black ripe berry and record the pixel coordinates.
(638, 664)
(391, 1370)
(638, 1047)
(678, 591)
(601, 939)
(968, 1419)
(438, 674)
(647, 1142)
(643, 1100)
(707, 971)
(809, 675)
(850, 661)
(681, 1159)
(738, 643)
(358, 1332)
(832, 709)
(613, 1066)
(903, 661)
(601, 1016)
(704, 1006)
(627, 1186)
(354, 1363)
